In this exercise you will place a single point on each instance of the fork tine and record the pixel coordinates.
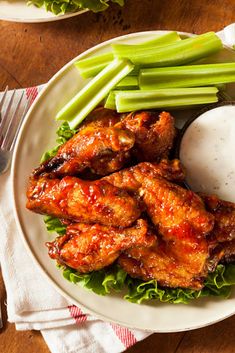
(3, 100)
(12, 126)
(6, 116)
(26, 107)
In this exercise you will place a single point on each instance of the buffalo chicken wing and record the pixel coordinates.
(82, 201)
(87, 247)
(102, 150)
(154, 134)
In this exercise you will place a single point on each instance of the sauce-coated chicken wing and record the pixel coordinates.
(101, 150)
(131, 179)
(154, 134)
(82, 201)
(224, 213)
(89, 248)
(100, 117)
(182, 223)
(223, 233)
(159, 263)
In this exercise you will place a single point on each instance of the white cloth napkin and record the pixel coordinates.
(33, 304)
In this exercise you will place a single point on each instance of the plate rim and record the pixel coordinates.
(51, 18)
(13, 189)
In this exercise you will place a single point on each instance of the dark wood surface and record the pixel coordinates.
(31, 53)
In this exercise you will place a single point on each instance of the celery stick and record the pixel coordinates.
(127, 101)
(94, 92)
(110, 101)
(91, 66)
(159, 41)
(186, 76)
(178, 53)
(128, 82)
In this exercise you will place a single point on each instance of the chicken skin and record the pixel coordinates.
(223, 233)
(224, 213)
(131, 179)
(88, 248)
(100, 117)
(102, 150)
(160, 263)
(154, 134)
(177, 212)
(82, 201)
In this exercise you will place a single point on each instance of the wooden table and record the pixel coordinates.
(31, 53)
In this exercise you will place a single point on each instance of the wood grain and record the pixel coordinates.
(30, 54)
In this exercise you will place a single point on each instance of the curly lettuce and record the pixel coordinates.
(218, 284)
(60, 7)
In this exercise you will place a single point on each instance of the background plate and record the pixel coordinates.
(18, 11)
(37, 135)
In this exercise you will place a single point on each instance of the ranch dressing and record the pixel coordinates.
(207, 150)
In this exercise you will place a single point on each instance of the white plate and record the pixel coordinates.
(18, 11)
(36, 136)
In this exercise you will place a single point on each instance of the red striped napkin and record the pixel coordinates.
(64, 326)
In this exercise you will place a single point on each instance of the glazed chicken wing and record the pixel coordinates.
(181, 257)
(102, 150)
(131, 179)
(224, 213)
(89, 248)
(154, 134)
(177, 212)
(100, 117)
(82, 201)
(223, 233)
(160, 263)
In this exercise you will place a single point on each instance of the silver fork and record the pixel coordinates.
(11, 117)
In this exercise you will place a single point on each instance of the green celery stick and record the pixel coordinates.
(128, 82)
(186, 76)
(127, 101)
(110, 101)
(159, 41)
(177, 53)
(93, 93)
(91, 66)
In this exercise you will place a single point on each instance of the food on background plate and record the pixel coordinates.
(118, 199)
(59, 7)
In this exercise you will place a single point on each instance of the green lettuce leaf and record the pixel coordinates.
(64, 133)
(116, 279)
(100, 282)
(54, 225)
(59, 7)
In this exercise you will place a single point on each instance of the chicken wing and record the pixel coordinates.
(82, 201)
(159, 263)
(222, 237)
(177, 212)
(102, 150)
(224, 213)
(100, 117)
(154, 134)
(89, 248)
(131, 179)
(181, 257)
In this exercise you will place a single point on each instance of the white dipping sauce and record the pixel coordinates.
(207, 151)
